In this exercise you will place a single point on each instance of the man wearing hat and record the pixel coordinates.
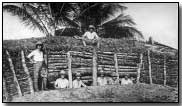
(77, 83)
(114, 80)
(61, 82)
(91, 37)
(126, 80)
(102, 80)
(37, 57)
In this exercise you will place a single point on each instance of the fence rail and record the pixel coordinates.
(147, 67)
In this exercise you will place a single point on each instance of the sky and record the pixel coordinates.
(159, 20)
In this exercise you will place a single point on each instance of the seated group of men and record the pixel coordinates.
(62, 82)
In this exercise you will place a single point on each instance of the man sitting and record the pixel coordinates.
(114, 80)
(90, 37)
(126, 80)
(101, 81)
(77, 83)
(61, 82)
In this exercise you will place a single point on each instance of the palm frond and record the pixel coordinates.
(24, 16)
(120, 20)
(133, 31)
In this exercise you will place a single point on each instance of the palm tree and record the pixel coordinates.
(41, 15)
(29, 15)
(103, 15)
(49, 17)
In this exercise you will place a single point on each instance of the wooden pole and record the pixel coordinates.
(14, 74)
(139, 68)
(165, 70)
(27, 72)
(94, 73)
(5, 93)
(150, 68)
(116, 64)
(69, 70)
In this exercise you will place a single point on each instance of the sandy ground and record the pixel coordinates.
(109, 93)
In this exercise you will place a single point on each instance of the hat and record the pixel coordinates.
(62, 72)
(114, 75)
(101, 72)
(77, 74)
(39, 43)
(126, 75)
(91, 26)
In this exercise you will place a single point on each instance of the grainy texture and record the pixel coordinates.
(124, 93)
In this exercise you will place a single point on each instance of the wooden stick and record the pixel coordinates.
(14, 75)
(27, 72)
(116, 64)
(94, 76)
(150, 69)
(139, 68)
(165, 70)
(69, 69)
(5, 93)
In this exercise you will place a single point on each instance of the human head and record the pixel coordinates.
(114, 76)
(39, 45)
(62, 73)
(91, 28)
(78, 76)
(101, 73)
(126, 76)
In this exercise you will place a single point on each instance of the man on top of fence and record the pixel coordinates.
(77, 83)
(37, 57)
(61, 82)
(90, 37)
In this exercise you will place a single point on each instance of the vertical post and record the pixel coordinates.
(94, 73)
(5, 93)
(69, 69)
(27, 72)
(116, 64)
(139, 68)
(150, 69)
(164, 70)
(14, 74)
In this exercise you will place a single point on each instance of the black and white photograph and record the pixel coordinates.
(90, 52)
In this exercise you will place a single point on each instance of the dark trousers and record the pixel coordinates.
(37, 68)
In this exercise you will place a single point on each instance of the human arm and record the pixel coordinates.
(30, 56)
(82, 84)
(85, 35)
(96, 36)
(56, 84)
(67, 84)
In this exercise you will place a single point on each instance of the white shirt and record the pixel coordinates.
(61, 83)
(78, 84)
(90, 35)
(101, 81)
(125, 82)
(37, 55)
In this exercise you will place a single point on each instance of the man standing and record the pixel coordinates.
(91, 37)
(77, 83)
(62, 82)
(37, 57)
(101, 81)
